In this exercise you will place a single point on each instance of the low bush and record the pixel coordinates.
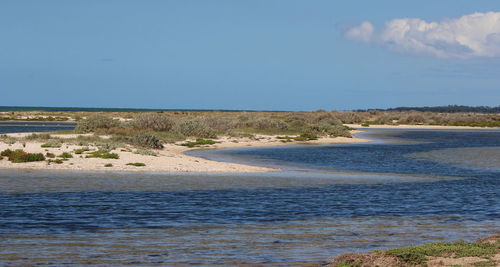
(42, 136)
(79, 151)
(199, 142)
(153, 121)
(20, 156)
(108, 165)
(96, 122)
(195, 128)
(65, 155)
(103, 155)
(56, 161)
(50, 155)
(145, 152)
(136, 164)
(146, 140)
(52, 143)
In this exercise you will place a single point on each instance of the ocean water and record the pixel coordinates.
(406, 188)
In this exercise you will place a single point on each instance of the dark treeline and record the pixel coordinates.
(444, 109)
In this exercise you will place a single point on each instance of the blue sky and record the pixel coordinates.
(266, 55)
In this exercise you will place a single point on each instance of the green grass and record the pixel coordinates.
(136, 164)
(103, 155)
(199, 142)
(417, 254)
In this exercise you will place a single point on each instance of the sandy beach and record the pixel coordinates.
(169, 159)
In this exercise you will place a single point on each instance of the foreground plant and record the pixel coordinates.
(485, 249)
(20, 156)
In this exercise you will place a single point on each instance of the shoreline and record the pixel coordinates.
(173, 158)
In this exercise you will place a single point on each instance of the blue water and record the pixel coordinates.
(22, 127)
(295, 216)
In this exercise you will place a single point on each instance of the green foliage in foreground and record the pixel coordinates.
(199, 142)
(417, 254)
(20, 156)
(103, 155)
(136, 164)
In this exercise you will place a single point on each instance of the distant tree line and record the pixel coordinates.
(443, 109)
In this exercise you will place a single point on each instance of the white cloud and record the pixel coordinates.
(474, 35)
(361, 33)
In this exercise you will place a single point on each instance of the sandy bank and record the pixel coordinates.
(430, 127)
(170, 159)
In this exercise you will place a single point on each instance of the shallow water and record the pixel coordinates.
(329, 200)
(29, 126)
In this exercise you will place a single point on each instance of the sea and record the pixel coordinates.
(405, 187)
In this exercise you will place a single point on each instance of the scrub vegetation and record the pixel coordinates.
(480, 253)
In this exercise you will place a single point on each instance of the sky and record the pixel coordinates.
(257, 55)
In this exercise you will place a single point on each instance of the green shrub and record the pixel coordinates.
(145, 152)
(79, 151)
(6, 152)
(108, 165)
(42, 136)
(65, 155)
(52, 143)
(136, 164)
(198, 142)
(96, 122)
(153, 121)
(146, 140)
(103, 155)
(50, 155)
(20, 156)
(56, 161)
(195, 128)
(339, 130)
(365, 124)
(306, 137)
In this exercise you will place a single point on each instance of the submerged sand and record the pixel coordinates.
(169, 159)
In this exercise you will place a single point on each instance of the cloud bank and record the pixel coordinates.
(474, 35)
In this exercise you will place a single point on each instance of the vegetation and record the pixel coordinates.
(146, 140)
(54, 143)
(79, 151)
(485, 248)
(103, 155)
(136, 164)
(145, 152)
(65, 155)
(96, 122)
(107, 165)
(198, 142)
(19, 156)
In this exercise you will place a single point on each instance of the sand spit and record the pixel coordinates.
(169, 159)
(430, 127)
